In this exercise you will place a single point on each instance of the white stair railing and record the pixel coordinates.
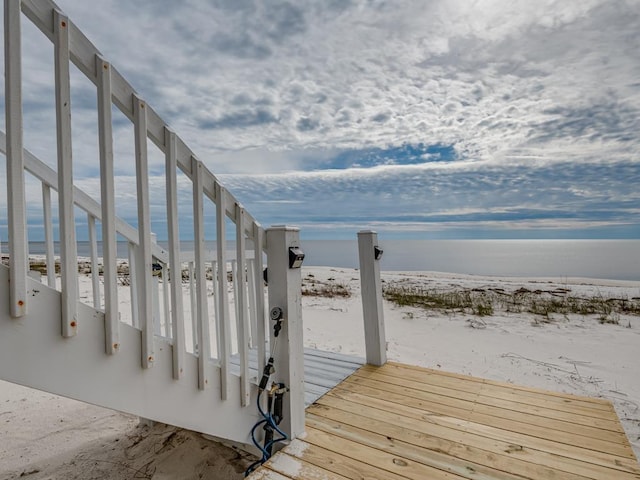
(213, 340)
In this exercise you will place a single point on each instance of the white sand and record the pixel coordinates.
(49, 437)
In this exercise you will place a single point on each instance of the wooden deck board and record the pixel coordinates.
(398, 421)
(322, 370)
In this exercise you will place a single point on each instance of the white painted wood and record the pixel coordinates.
(16, 215)
(144, 261)
(371, 286)
(80, 370)
(251, 286)
(261, 332)
(234, 286)
(241, 307)
(175, 265)
(165, 323)
(107, 199)
(194, 307)
(134, 277)
(66, 213)
(95, 268)
(155, 304)
(83, 55)
(48, 176)
(216, 292)
(224, 327)
(48, 235)
(285, 291)
(202, 310)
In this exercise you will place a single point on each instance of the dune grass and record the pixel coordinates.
(484, 302)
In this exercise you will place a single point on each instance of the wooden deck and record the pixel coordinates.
(322, 370)
(398, 421)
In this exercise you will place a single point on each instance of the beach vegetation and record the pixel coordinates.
(544, 304)
(312, 287)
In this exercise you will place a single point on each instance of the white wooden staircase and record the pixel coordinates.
(50, 340)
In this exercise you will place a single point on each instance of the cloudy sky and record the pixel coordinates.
(418, 118)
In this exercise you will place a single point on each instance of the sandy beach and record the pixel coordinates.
(509, 331)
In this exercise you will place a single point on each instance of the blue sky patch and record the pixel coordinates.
(402, 155)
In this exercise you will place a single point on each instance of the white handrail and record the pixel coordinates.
(83, 55)
(72, 46)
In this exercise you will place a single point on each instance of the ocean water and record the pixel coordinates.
(613, 259)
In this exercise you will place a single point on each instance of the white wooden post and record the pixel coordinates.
(371, 287)
(251, 287)
(216, 303)
(155, 302)
(134, 287)
(202, 310)
(241, 307)
(194, 308)
(258, 240)
(142, 276)
(224, 324)
(17, 223)
(66, 215)
(107, 191)
(95, 274)
(175, 265)
(48, 235)
(285, 291)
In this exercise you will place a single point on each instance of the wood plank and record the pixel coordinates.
(16, 215)
(299, 469)
(427, 393)
(142, 267)
(494, 382)
(410, 415)
(477, 394)
(108, 206)
(443, 427)
(48, 235)
(549, 430)
(223, 321)
(541, 397)
(391, 462)
(341, 465)
(202, 306)
(265, 474)
(404, 442)
(177, 310)
(373, 418)
(317, 416)
(66, 213)
(333, 356)
(242, 318)
(261, 324)
(93, 246)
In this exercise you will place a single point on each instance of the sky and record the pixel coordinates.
(415, 118)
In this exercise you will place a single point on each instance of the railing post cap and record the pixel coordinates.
(366, 232)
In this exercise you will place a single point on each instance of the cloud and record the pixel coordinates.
(508, 111)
